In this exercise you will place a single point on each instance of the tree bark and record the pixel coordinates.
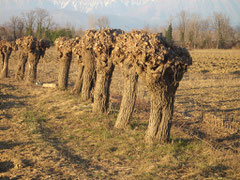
(88, 75)
(128, 99)
(64, 68)
(101, 91)
(160, 121)
(33, 60)
(23, 56)
(93, 86)
(79, 81)
(3, 58)
(4, 71)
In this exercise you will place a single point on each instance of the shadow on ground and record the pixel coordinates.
(5, 166)
(9, 144)
(68, 154)
(8, 101)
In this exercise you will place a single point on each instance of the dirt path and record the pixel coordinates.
(24, 152)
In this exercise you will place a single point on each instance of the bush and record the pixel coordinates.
(64, 32)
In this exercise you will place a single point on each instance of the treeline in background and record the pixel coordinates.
(188, 30)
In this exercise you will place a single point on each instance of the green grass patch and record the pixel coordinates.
(33, 121)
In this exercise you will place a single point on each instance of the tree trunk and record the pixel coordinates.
(160, 120)
(128, 100)
(23, 56)
(64, 68)
(88, 75)
(4, 71)
(93, 86)
(33, 60)
(3, 58)
(101, 91)
(78, 84)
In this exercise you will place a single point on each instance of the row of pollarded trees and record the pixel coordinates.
(30, 50)
(137, 54)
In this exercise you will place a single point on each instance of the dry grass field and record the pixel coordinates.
(50, 134)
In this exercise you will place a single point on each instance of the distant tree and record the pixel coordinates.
(237, 33)
(13, 23)
(102, 22)
(14, 28)
(20, 28)
(92, 22)
(193, 29)
(16, 25)
(191, 38)
(37, 23)
(182, 26)
(223, 29)
(41, 17)
(99, 23)
(29, 21)
(168, 34)
(79, 32)
(146, 28)
(54, 34)
(4, 33)
(151, 29)
(44, 23)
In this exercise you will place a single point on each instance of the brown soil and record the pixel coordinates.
(50, 134)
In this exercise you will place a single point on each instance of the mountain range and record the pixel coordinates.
(125, 14)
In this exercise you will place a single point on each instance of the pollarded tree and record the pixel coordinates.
(25, 45)
(2, 45)
(33, 60)
(79, 80)
(86, 77)
(162, 67)
(124, 60)
(64, 48)
(6, 49)
(20, 72)
(103, 47)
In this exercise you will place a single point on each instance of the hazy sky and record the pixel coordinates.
(121, 16)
